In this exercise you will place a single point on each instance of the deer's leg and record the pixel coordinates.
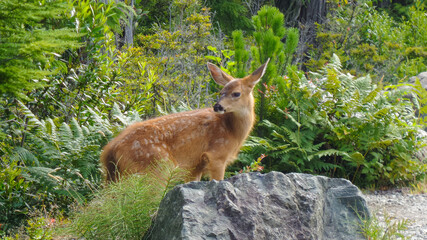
(217, 167)
(217, 172)
(194, 176)
(197, 172)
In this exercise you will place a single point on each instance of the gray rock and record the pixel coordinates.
(262, 206)
(422, 77)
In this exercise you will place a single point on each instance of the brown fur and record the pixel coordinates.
(201, 141)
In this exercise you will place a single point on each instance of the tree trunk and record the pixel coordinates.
(303, 14)
(129, 28)
(300, 11)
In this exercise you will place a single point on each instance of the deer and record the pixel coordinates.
(202, 141)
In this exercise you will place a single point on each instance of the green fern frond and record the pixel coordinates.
(76, 129)
(116, 113)
(65, 135)
(364, 85)
(42, 175)
(270, 125)
(23, 155)
(373, 94)
(290, 117)
(51, 129)
(335, 62)
(326, 153)
(46, 149)
(383, 143)
(320, 166)
(134, 117)
(33, 121)
(383, 113)
(85, 130)
(98, 119)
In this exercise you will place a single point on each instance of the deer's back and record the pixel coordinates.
(180, 137)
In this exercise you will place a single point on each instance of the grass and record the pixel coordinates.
(124, 210)
(373, 229)
(419, 187)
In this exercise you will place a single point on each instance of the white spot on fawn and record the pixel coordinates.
(136, 145)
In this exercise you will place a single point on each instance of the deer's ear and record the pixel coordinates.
(254, 78)
(218, 75)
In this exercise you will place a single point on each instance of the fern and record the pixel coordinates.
(22, 155)
(60, 160)
(346, 127)
(76, 129)
(33, 121)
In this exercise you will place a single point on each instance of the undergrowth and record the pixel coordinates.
(334, 124)
(373, 229)
(124, 210)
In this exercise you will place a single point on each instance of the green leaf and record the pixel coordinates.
(357, 158)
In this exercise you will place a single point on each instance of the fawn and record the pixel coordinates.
(201, 141)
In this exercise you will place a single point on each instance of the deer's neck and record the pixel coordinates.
(240, 123)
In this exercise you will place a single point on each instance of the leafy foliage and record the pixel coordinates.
(29, 43)
(56, 164)
(370, 41)
(230, 15)
(393, 229)
(88, 76)
(15, 196)
(269, 31)
(124, 210)
(341, 126)
(420, 102)
(178, 54)
(65, 61)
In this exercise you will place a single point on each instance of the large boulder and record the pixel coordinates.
(262, 206)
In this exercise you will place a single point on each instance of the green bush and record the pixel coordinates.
(31, 37)
(266, 44)
(340, 126)
(373, 229)
(124, 210)
(176, 54)
(52, 164)
(369, 41)
(15, 196)
(89, 75)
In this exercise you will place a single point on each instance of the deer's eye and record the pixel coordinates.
(235, 94)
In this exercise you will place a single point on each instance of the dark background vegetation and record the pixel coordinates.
(334, 99)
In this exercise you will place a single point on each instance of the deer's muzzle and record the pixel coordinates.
(218, 108)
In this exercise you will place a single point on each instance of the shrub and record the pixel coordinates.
(124, 210)
(368, 40)
(268, 35)
(373, 229)
(341, 126)
(15, 196)
(88, 76)
(54, 163)
(176, 55)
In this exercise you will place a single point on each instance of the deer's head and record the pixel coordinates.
(236, 96)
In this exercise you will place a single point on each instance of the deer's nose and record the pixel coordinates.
(218, 108)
